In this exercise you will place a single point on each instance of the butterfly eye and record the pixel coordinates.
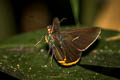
(48, 30)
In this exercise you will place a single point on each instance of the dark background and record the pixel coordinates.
(20, 16)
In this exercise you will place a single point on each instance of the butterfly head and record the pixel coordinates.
(49, 29)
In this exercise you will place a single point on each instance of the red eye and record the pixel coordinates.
(48, 30)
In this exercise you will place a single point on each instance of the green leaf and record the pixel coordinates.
(75, 10)
(19, 58)
(89, 11)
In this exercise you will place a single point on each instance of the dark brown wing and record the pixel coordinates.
(67, 54)
(56, 24)
(73, 43)
(81, 38)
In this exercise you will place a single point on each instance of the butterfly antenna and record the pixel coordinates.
(39, 41)
(62, 19)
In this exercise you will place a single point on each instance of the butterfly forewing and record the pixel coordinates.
(82, 38)
(56, 25)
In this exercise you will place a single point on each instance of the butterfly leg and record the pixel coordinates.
(51, 60)
(48, 55)
(51, 57)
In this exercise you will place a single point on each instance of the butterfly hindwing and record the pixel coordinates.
(66, 53)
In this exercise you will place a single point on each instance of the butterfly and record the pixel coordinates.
(67, 46)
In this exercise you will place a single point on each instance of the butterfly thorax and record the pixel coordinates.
(54, 39)
(50, 40)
